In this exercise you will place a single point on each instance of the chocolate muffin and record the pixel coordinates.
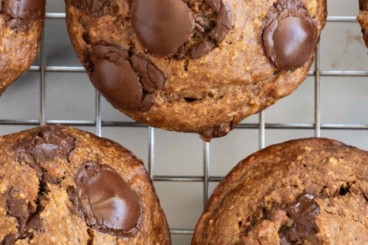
(193, 65)
(363, 19)
(21, 23)
(309, 191)
(60, 185)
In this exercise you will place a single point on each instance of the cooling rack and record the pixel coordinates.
(261, 125)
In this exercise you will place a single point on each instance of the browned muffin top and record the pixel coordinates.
(309, 191)
(60, 185)
(363, 19)
(191, 65)
(21, 23)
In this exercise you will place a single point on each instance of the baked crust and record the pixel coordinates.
(20, 32)
(363, 19)
(38, 187)
(209, 95)
(249, 205)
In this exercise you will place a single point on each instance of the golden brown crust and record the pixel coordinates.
(210, 95)
(61, 222)
(363, 19)
(18, 47)
(249, 204)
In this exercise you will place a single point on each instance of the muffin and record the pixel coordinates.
(60, 185)
(21, 24)
(191, 65)
(309, 191)
(363, 19)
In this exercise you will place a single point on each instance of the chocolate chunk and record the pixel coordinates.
(126, 81)
(117, 81)
(9, 240)
(303, 213)
(223, 26)
(95, 8)
(18, 208)
(45, 146)
(201, 49)
(106, 200)
(151, 77)
(224, 20)
(52, 143)
(289, 36)
(40, 150)
(26, 214)
(216, 131)
(19, 14)
(162, 26)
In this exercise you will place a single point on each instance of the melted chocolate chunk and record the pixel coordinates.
(126, 81)
(95, 8)
(217, 131)
(303, 213)
(169, 27)
(118, 82)
(9, 240)
(289, 35)
(19, 14)
(26, 214)
(201, 49)
(222, 27)
(162, 26)
(224, 20)
(48, 144)
(106, 200)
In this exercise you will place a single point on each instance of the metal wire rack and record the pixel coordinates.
(206, 178)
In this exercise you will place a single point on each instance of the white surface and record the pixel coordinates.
(71, 96)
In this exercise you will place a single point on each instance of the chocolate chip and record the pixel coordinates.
(106, 200)
(18, 208)
(289, 35)
(95, 8)
(41, 149)
(224, 20)
(217, 131)
(169, 27)
(26, 214)
(223, 26)
(201, 49)
(303, 213)
(19, 14)
(118, 82)
(126, 81)
(45, 146)
(9, 240)
(151, 77)
(162, 26)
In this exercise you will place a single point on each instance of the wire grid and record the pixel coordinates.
(262, 126)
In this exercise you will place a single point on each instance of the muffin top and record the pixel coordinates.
(363, 19)
(191, 65)
(60, 185)
(21, 25)
(308, 191)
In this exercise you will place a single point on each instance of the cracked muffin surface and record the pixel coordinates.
(21, 24)
(60, 185)
(308, 191)
(193, 65)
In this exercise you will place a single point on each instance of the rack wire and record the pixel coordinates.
(206, 178)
